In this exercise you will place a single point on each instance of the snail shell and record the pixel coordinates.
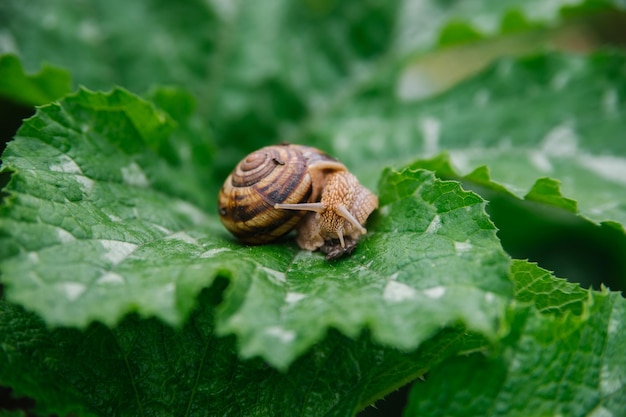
(284, 187)
(281, 174)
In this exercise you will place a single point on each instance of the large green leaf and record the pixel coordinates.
(547, 128)
(98, 219)
(566, 360)
(143, 367)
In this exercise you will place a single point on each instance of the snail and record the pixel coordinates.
(279, 188)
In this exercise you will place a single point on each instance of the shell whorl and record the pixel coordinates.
(271, 175)
(255, 167)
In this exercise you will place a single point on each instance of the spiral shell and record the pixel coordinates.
(272, 175)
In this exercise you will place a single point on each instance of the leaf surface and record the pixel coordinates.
(110, 234)
(259, 74)
(546, 128)
(144, 367)
(565, 360)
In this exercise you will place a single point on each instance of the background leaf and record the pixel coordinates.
(569, 142)
(41, 88)
(564, 360)
(575, 115)
(258, 73)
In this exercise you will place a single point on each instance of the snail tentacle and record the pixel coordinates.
(316, 207)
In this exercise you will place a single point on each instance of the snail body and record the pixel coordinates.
(280, 188)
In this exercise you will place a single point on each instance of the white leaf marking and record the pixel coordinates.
(610, 102)
(65, 236)
(275, 275)
(434, 225)
(609, 167)
(396, 292)
(294, 297)
(133, 175)
(540, 161)
(212, 252)
(117, 251)
(86, 184)
(435, 292)
(462, 247)
(561, 141)
(182, 236)
(281, 334)
(431, 132)
(110, 278)
(65, 164)
(73, 290)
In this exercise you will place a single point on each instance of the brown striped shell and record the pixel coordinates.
(279, 188)
(281, 174)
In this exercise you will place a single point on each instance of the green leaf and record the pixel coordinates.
(88, 190)
(547, 293)
(468, 20)
(143, 367)
(94, 219)
(257, 72)
(548, 191)
(569, 144)
(456, 32)
(545, 127)
(566, 361)
(514, 20)
(102, 45)
(47, 85)
(335, 36)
